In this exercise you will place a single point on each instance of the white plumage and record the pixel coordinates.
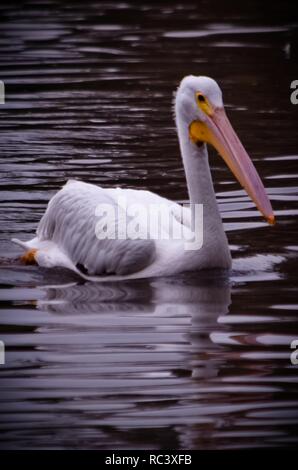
(69, 233)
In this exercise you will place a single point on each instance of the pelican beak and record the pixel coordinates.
(217, 131)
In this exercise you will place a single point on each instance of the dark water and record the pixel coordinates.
(199, 361)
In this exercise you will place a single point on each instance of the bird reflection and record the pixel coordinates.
(166, 353)
(159, 332)
(202, 298)
(187, 307)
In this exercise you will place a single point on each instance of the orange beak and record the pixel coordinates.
(217, 131)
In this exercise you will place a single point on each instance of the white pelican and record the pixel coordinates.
(66, 233)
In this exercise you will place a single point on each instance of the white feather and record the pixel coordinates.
(66, 234)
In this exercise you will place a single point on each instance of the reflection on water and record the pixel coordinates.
(199, 361)
(90, 363)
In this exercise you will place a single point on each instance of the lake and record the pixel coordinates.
(199, 361)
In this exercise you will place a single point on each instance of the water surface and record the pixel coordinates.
(197, 361)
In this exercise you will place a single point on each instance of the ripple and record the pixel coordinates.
(197, 361)
(224, 29)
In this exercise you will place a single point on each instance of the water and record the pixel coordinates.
(197, 361)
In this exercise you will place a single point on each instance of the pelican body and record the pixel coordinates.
(69, 235)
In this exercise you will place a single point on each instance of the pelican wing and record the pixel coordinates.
(71, 223)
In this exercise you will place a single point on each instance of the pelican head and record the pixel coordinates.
(200, 106)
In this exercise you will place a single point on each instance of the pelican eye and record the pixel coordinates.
(203, 104)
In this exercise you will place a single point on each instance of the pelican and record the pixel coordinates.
(68, 234)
